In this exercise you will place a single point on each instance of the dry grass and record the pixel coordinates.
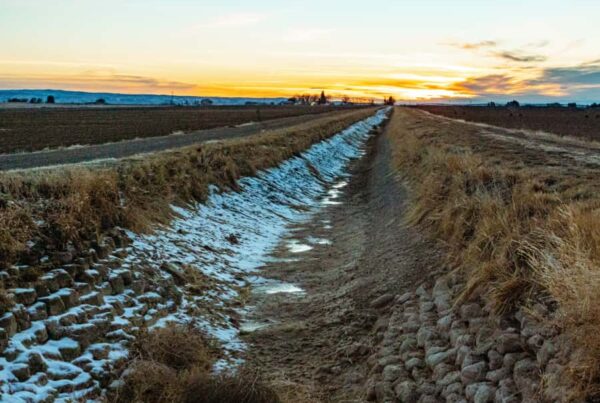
(74, 205)
(523, 225)
(174, 366)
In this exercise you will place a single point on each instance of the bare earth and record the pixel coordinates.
(320, 341)
(129, 148)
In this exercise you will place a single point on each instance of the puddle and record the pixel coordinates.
(296, 247)
(250, 326)
(340, 185)
(278, 288)
(318, 241)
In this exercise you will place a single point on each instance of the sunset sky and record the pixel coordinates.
(414, 50)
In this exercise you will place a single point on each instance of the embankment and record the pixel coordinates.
(516, 318)
(82, 289)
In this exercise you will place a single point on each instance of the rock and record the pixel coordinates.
(450, 378)
(509, 360)
(508, 343)
(94, 298)
(54, 304)
(62, 277)
(473, 373)
(406, 391)
(409, 344)
(461, 353)
(38, 311)
(3, 340)
(404, 298)
(69, 349)
(21, 372)
(25, 296)
(22, 317)
(484, 340)
(485, 393)
(392, 372)
(388, 360)
(506, 392)
(426, 306)
(437, 358)
(413, 363)
(470, 311)
(117, 283)
(545, 353)
(422, 292)
(382, 301)
(440, 371)
(464, 340)
(444, 323)
(428, 399)
(8, 322)
(426, 334)
(455, 388)
(526, 377)
(494, 359)
(36, 362)
(427, 388)
(497, 375)
(69, 296)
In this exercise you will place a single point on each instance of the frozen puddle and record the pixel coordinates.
(296, 247)
(318, 241)
(278, 288)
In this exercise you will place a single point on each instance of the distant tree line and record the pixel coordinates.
(34, 100)
(516, 104)
(325, 99)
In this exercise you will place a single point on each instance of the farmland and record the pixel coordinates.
(30, 129)
(584, 123)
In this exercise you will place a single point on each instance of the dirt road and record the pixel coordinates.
(128, 148)
(319, 341)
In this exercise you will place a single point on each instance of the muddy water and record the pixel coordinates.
(303, 237)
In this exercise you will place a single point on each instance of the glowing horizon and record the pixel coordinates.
(425, 50)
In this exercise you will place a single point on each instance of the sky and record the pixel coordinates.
(426, 50)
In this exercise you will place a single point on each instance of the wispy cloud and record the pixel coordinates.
(492, 48)
(476, 45)
(519, 56)
(306, 34)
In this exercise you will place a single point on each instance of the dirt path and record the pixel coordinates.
(319, 340)
(128, 148)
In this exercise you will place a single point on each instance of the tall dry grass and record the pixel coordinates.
(69, 207)
(523, 226)
(173, 365)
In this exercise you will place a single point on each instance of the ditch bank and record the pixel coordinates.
(372, 314)
(67, 335)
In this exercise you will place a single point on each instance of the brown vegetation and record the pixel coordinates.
(36, 129)
(522, 224)
(583, 123)
(174, 365)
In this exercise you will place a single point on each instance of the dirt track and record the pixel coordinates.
(145, 145)
(321, 341)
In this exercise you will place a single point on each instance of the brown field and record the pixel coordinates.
(37, 129)
(583, 123)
